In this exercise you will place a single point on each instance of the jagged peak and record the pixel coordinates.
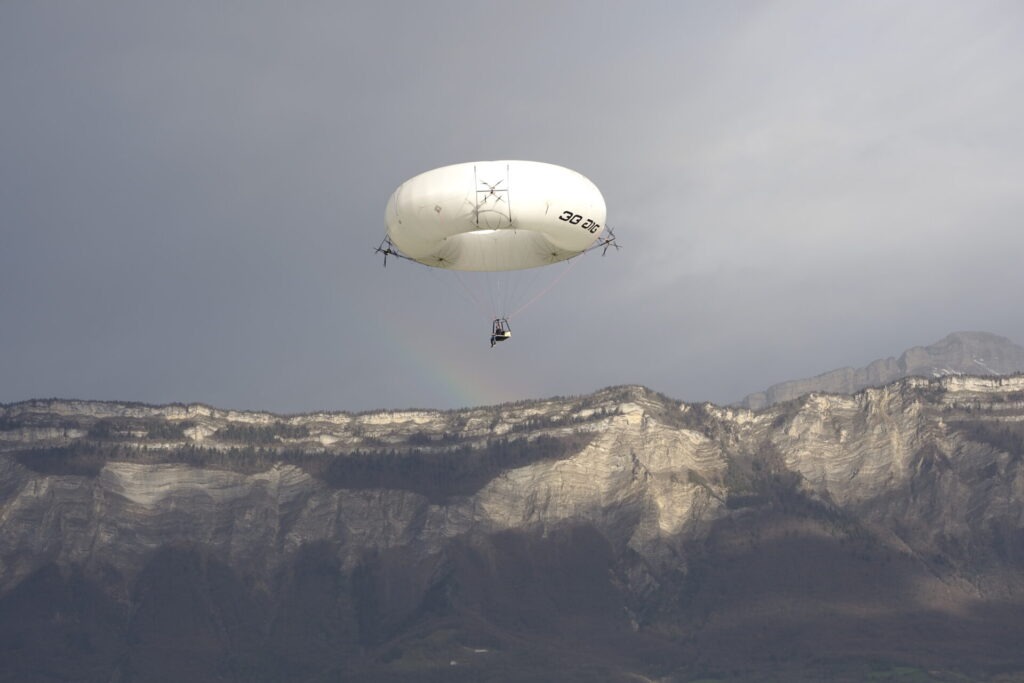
(959, 353)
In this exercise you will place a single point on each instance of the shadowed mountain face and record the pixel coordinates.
(620, 536)
(961, 353)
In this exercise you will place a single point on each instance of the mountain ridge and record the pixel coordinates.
(968, 353)
(599, 537)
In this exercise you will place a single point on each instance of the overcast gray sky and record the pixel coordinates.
(190, 193)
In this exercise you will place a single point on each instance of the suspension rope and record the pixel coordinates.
(565, 271)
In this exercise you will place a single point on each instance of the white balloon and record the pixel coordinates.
(495, 215)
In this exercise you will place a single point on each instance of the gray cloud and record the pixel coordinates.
(189, 193)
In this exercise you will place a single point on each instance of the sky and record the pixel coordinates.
(191, 192)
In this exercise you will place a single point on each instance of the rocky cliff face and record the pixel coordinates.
(961, 353)
(602, 537)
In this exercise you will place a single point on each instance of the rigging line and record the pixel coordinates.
(572, 264)
(476, 300)
(498, 283)
(493, 283)
(521, 286)
(507, 280)
(486, 278)
(444, 275)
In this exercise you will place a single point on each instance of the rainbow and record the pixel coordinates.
(432, 364)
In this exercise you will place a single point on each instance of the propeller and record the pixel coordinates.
(492, 188)
(609, 241)
(386, 248)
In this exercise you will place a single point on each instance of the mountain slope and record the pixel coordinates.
(604, 537)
